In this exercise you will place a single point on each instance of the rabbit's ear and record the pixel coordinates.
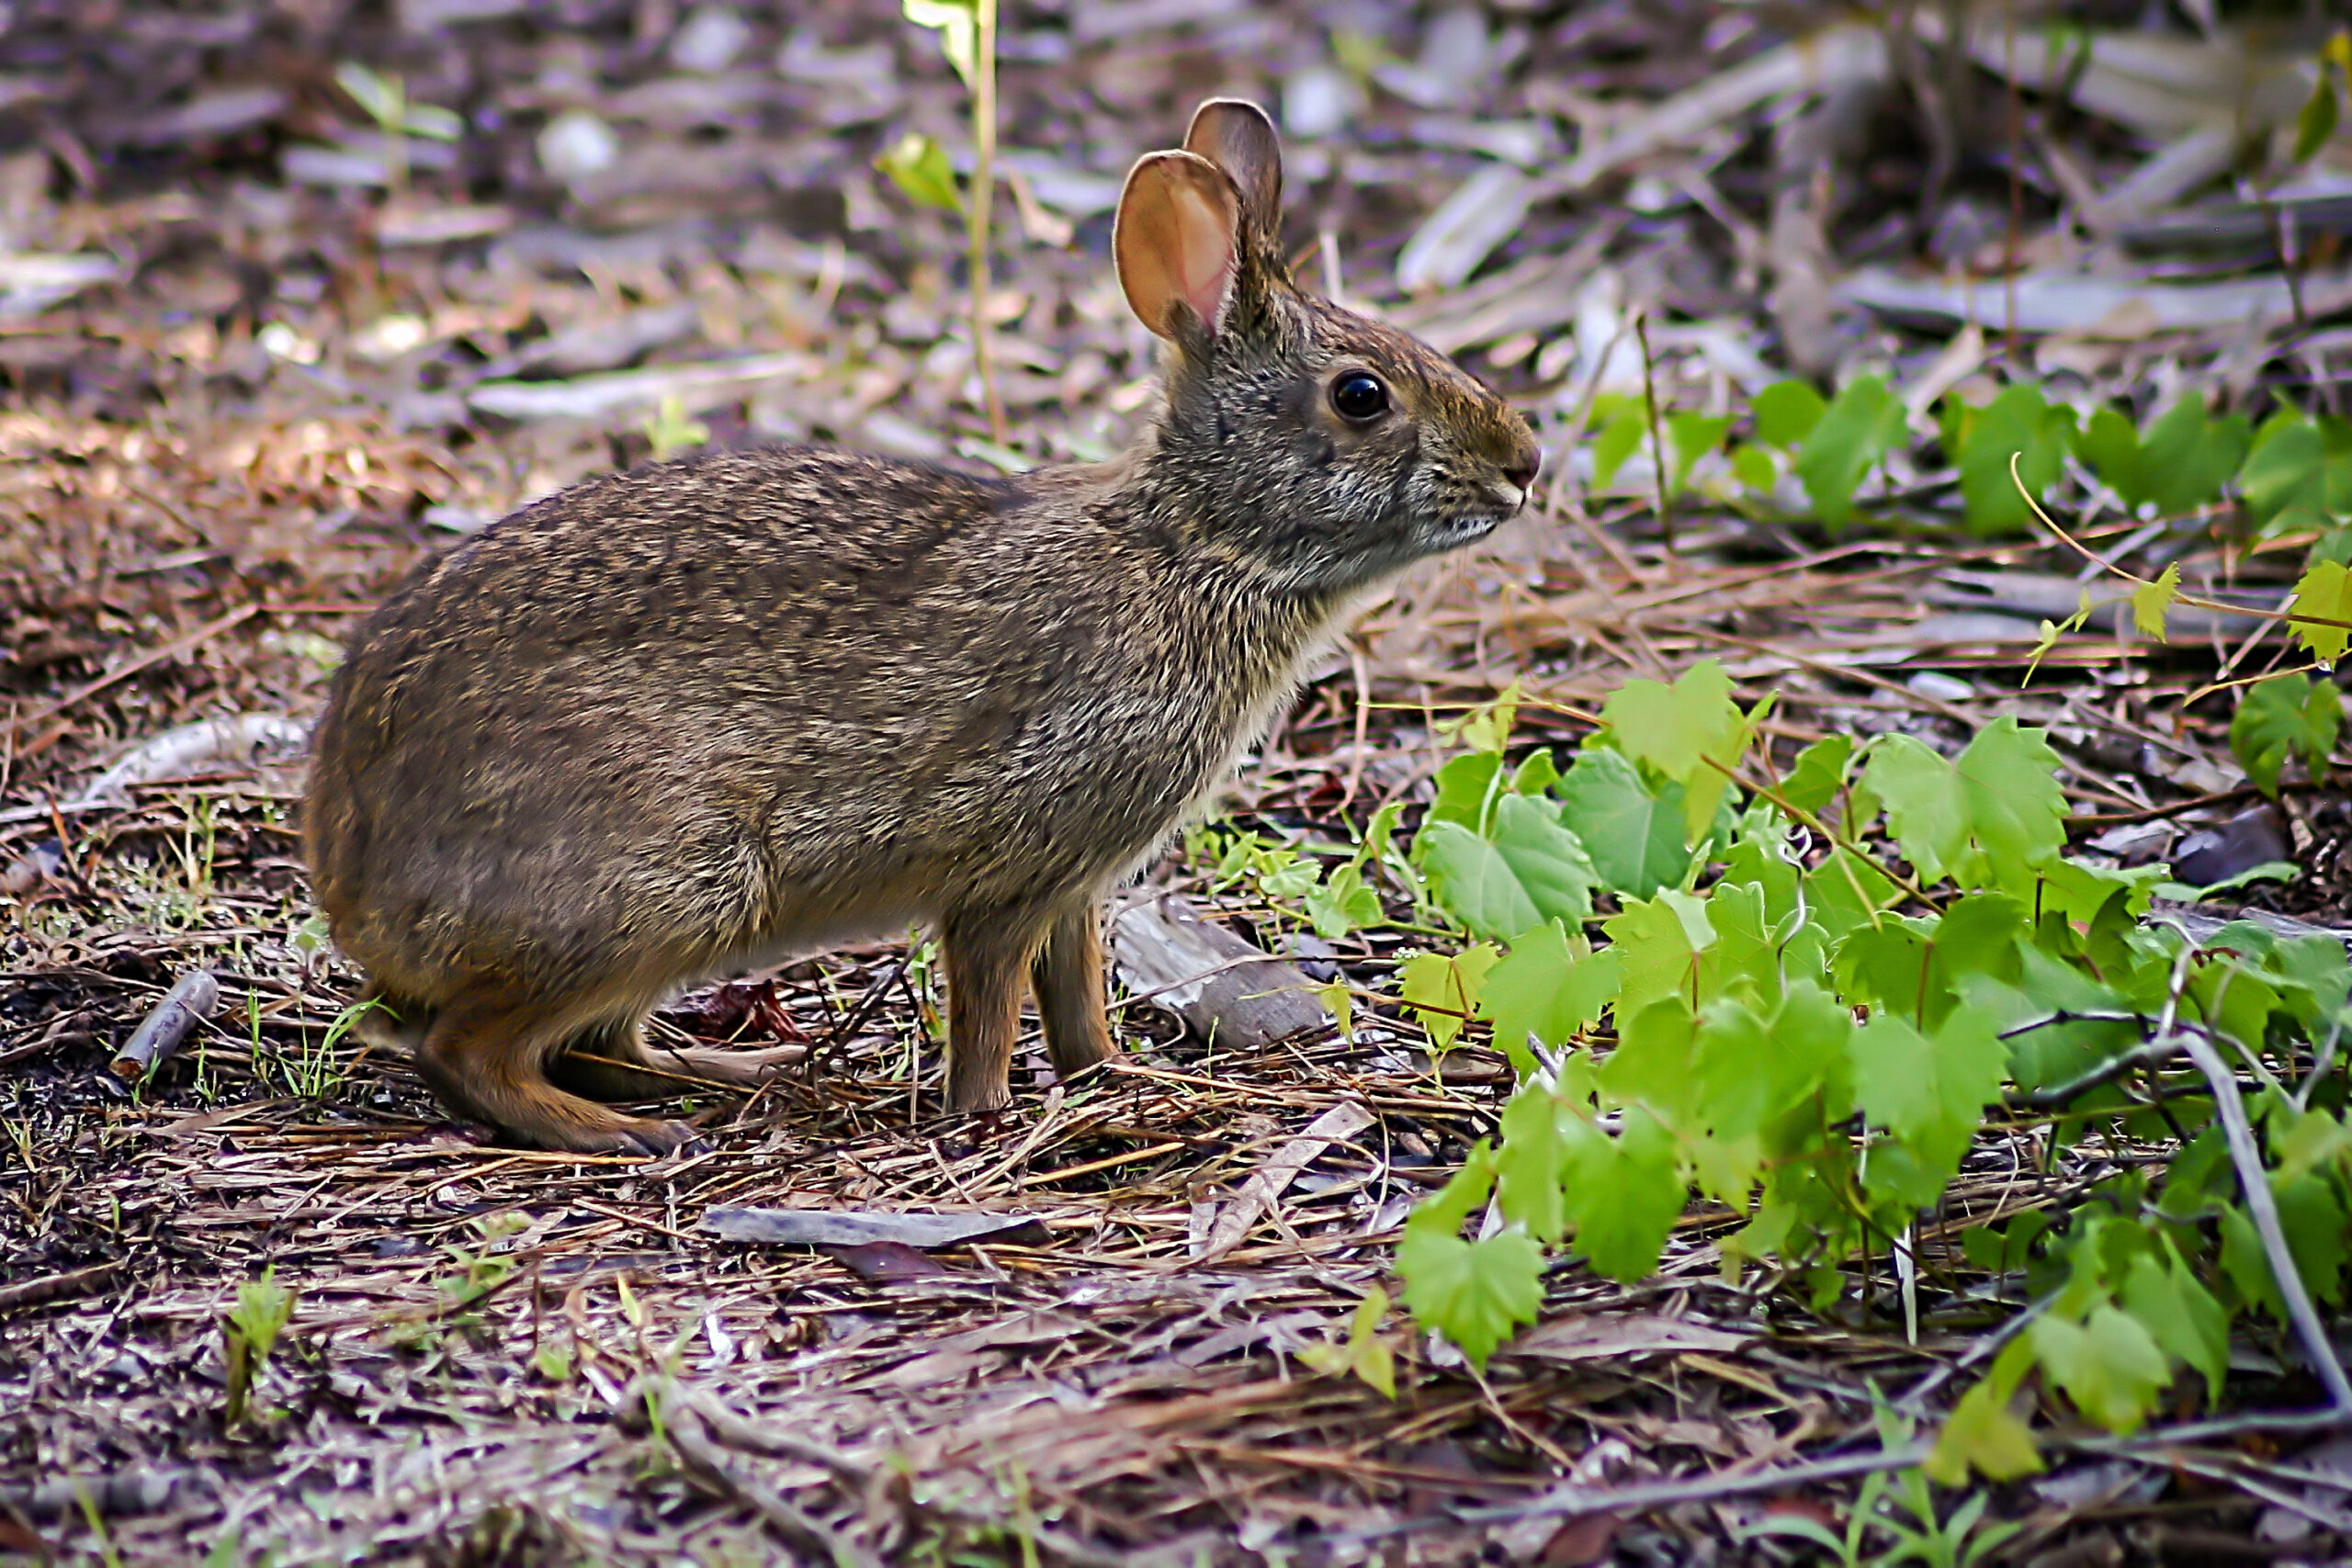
(1235, 135)
(1178, 242)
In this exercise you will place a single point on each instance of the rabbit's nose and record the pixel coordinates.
(1520, 469)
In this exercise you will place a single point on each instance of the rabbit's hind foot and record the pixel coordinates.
(483, 1058)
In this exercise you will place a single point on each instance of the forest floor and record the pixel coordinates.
(265, 395)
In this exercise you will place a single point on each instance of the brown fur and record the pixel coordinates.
(754, 704)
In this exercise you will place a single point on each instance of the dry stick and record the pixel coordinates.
(1657, 443)
(194, 998)
(169, 650)
(983, 195)
(1576, 1499)
(2263, 1209)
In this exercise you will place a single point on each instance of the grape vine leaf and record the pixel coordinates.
(2018, 421)
(1542, 987)
(2178, 465)
(1657, 943)
(2181, 1315)
(1929, 1090)
(1634, 837)
(1692, 435)
(2285, 716)
(1530, 871)
(1691, 732)
(1813, 778)
(1620, 422)
(2107, 1364)
(1860, 426)
(1927, 808)
(1786, 412)
(1362, 1353)
(2324, 591)
(2016, 811)
(1466, 786)
(1623, 1193)
(1749, 1070)
(1341, 903)
(1444, 988)
(2299, 473)
(1529, 1162)
(1983, 1435)
(2151, 600)
(1474, 1293)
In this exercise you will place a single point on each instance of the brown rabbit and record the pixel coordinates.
(717, 712)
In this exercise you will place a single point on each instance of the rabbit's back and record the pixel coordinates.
(775, 696)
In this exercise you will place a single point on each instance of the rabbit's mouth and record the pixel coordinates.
(1466, 528)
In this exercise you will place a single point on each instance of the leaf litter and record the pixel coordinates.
(272, 338)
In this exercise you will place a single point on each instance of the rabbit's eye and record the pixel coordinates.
(1359, 396)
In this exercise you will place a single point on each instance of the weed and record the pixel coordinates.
(263, 1308)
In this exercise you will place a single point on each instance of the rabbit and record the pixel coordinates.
(715, 713)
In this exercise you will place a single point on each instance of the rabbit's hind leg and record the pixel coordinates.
(610, 1060)
(988, 950)
(486, 1056)
(1067, 975)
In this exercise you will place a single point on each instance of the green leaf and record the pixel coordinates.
(1529, 1162)
(2178, 463)
(1786, 412)
(2298, 474)
(2324, 591)
(1634, 837)
(1621, 422)
(2181, 1315)
(2316, 123)
(2151, 600)
(1749, 1071)
(1623, 1194)
(1929, 1090)
(1474, 1293)
(2285, 716)
(2017, 423)
(1692, 436)
(1362, 1353)
(2312, 1218)
(918, 167)
(1691, 731)
(383, 98)
(1531, 870)
(1466, 786)
(959, 23)
(2108, 1365)
(1927, 805)
(1342, 903)
(1986, 1436)
(1813, 778)
(1657, 943)
(1859, 428)
(1754, 467)
(1544, 988)
(1443, 990)
(2016, 812)
(669, 431)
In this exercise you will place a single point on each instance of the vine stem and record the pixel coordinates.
(2191, 600)
(976, 219)
(2254, 1179)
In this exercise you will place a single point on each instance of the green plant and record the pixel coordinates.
(249, 1334)
(918, 167)
(670, 431)
(1821, 986)
(385, 100)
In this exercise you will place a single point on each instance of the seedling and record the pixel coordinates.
(263, 1308)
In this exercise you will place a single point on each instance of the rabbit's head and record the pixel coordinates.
(1327, 449)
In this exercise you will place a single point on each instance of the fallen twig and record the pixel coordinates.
(196, 998)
